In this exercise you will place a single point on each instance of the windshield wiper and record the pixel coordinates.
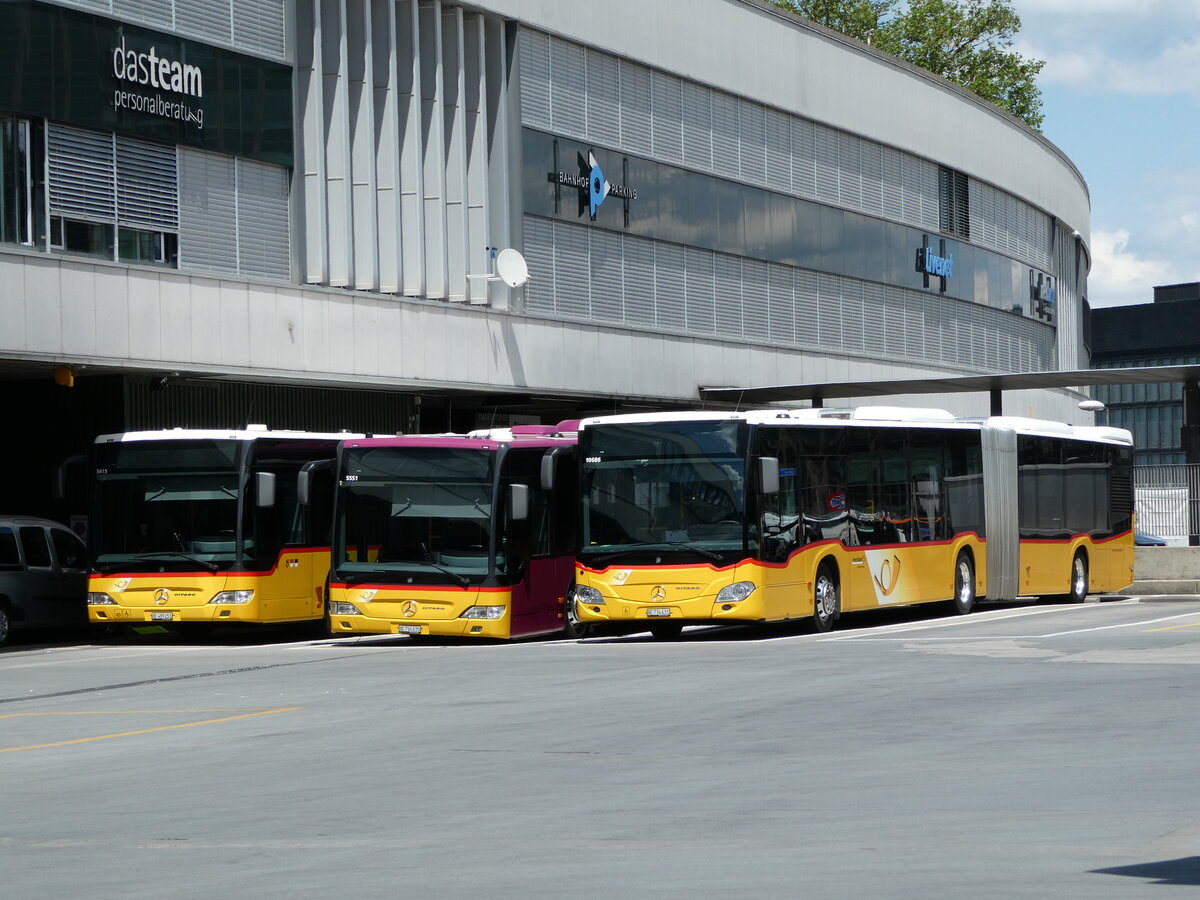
(613, 555)
(163, 555)
(709, 554)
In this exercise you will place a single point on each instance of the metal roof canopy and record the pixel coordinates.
(1189, 375)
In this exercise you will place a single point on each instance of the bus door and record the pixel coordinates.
(279, 547)
(781, 530)
(528, 549)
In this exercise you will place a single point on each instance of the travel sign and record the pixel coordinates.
(937, 263)
(593, 186)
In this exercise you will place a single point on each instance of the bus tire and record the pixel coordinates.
(964, 583)
(827, 598)
(1079, 578)
(666, 631)
(573, 629)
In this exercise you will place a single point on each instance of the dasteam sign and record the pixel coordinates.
(159, 73)
(93, 72)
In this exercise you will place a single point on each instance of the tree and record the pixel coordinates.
(968, 42)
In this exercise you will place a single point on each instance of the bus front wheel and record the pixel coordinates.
(827, 598)
(964, 583)
(573, 629)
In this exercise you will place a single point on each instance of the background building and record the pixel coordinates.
(1165, 332)
(221, 211)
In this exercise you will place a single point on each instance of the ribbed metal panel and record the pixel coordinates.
(186, 404)
(568, 88)
(152, 12)
(147, 185)
(534, 49)
(640, 304)
(82, 173)
(669, 281)
(1000, 514)
(697, 126)
(804, 157)
(778, 134)
(540, 253)
(872, 178)
(210, 20)
(572, 283)
(732, 313)
(752, 132)
(726, 131)
(264, 245)
(701, 301)
(849, 165)
(259, 26)
(827, 163)
(636, 127)
(666, 111)
(781, 303)
(207, 212)
(603, 99)
(607, 281)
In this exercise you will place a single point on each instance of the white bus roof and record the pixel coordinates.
(249, 433)
(889, 415)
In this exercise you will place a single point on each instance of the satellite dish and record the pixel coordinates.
(511, 267)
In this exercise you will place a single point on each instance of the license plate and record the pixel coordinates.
(161, 616)
(408, 629)
(658, 611)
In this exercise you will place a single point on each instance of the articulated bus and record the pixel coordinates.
(204, 526)
(708, 518)
(468, 535)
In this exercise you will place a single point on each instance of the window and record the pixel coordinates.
(69, 550)
(10, 559)
(954, 209)
(37, 549)
(16, 187)
(112, 196)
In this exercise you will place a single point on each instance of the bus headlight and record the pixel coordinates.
(100, 600)
(342, 608)
(588, 595)
(483, 612)
(736, 592)
(233, 598)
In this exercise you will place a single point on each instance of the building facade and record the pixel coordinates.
(221, 211)
(1163, 333)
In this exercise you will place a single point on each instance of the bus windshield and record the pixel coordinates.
(669, 486)
(166, 503)
(423, 511)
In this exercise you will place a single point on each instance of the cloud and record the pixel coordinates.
(1120, 276)
(1133, 47)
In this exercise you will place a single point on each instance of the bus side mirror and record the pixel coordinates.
(304, 482)
(550, 465)
(264, 488)
(769, 471)
(63, 473)
(518, 502)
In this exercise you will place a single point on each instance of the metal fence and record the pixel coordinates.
(1167, 501)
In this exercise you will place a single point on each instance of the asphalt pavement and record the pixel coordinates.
(1024, 750)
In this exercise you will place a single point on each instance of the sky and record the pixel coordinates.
(1121, 97)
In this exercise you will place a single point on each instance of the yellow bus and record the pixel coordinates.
(709, 517)
(195, 527)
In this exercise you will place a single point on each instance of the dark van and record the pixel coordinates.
(43, 575)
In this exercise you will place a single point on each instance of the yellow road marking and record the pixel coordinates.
(1174, 627)
(105, 737)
